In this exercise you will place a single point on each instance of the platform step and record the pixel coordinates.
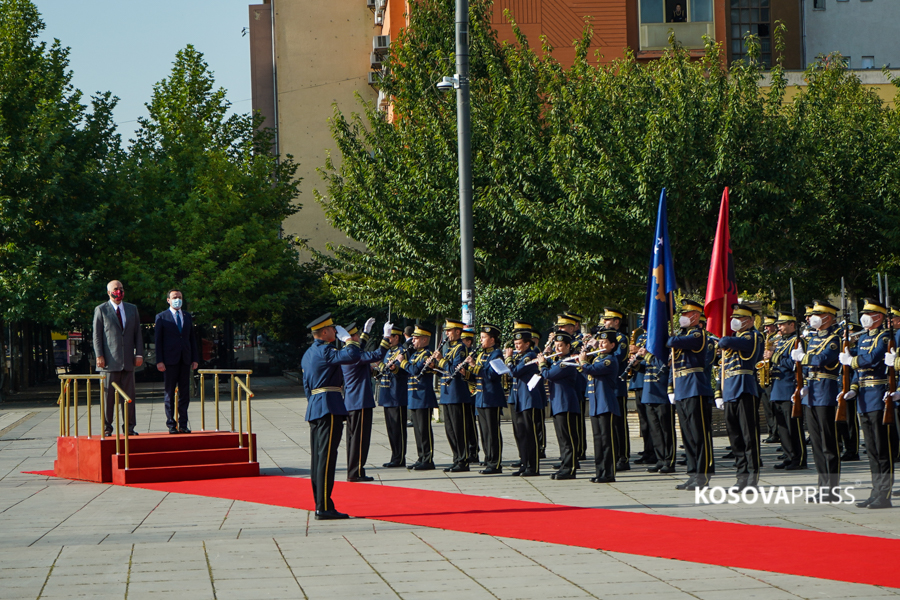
(175, 458)
(165, 442)
(185, 472)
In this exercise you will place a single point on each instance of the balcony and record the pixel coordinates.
(655, 36)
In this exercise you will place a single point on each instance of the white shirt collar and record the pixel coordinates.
(174, 311)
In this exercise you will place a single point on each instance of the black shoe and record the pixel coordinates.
(796, 468)
(490, 471)
(895, 493)
(603, 480)
(684, 486)
(173, 430)
(781, 456)
(560, 476)
(728, 447)
(782, 465)
(109, 433)
(517, 473)
(542, 454)
(682, 463)
(624, 466)
(643, 460)
(516, 464)
(361, 479)
(865, 503)
(394, 465)
(423, 467)
(654, 469)
(460, 468)
(409, 423)
(331, 515)
(849, 457)
(529, 473)
(132, 432)
(482, 464)
(667, 469)
(729, 455)
(772, 439)
(183, 430)
(881, 503)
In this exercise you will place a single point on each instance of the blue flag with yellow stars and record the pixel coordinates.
(660, 282)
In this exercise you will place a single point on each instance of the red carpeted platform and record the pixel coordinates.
(156, 457)
(836, 556)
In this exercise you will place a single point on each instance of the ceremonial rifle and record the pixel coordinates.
(841, 414)
(797, 398)
(888, 418)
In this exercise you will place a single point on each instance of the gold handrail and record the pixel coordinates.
(249, 394)
(128, 400)
(225, 371)
(69, 403)
(232, 373)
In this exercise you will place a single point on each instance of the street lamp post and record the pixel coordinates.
(463, 126)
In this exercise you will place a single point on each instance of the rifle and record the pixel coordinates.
(888, 417)
(841, 414)
(797, 398)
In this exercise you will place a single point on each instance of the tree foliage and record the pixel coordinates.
(568, 165)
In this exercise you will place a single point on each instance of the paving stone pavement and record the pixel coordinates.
(66, 539)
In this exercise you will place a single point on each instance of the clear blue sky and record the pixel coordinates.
(126, 46)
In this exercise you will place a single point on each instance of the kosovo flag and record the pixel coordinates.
(660, 283)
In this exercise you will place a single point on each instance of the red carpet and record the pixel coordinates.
(836, 556)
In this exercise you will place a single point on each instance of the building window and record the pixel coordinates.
(689, 20)
(867, 62)
(676, 11)
(751, 16)
(818, 4)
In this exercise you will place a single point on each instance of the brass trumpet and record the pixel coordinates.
(764, 367)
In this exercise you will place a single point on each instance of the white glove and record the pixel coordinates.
(671, 398)
(720, 403)
(387, 329)
(804, 391)
(890, 358)
(850, 395)
(368, 326)
(342, 334)
(896, 396)
(797, 354)
(845, 358)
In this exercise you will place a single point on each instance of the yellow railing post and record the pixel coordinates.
(232, 401)
(62, 392)
(116, 400)
(89, 406)
(68, 415)
(127, 429)
(75, 406)
(177, 420)
(247, 394)
(202, 409)
(103, 410)
(127, 400)
(217, 401)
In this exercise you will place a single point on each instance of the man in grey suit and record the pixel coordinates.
(118, 345)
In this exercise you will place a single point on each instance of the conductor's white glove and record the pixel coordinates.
(671, 398)
(890, 358)
(845, 358)
(368, 326)
(387, 329)
(797, 354)
(342, 334)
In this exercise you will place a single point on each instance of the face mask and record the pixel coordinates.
(684, 321)
(176, 303)
(815, 321)
(867, 321)
(736, 324)
(117, 294)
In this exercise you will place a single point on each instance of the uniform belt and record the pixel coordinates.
(685, 372)
(736, 372)
(823, 376)
(323, 390)
(867, 383)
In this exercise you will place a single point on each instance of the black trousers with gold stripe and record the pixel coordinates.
(694, 417)
(395, 420)
(604, 448)
(581, 450)
(566, 431)
(471, 424)
(661, 424)
(527, 425)
(324, 441)
(491, 437)
(455, 426)
(848, 431)
(790, 432)
(622, 438)
(823, 438)
(742, 423)
(421, 419)
(649, 451)
(880, 452)
(359, 436)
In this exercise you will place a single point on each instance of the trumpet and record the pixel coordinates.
(764, 367)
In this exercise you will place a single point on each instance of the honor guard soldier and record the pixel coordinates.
(612, 319)
(871, 381)
(848, 431)
(692, 391)
(895, 436)
(393, 398)
(570, 323)
(417, 362)
(740, 390)
(784, 385)
(634, 375)
(455, 397)
(771, 335)
(822, 371)
(489, 396)
(564, 402)
(359, 400)
(468, 338)
(325, 411)
(512, 385)
(544, 391)
(529, 407)
(658, 409)
(603, 382)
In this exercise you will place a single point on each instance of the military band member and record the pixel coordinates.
(872, 385)
(529, 406)
(325, 411)
(544, 392)
(822, 371)
(895, 436)
(691, 391)
(512, 387)
(770, 332)
(455, 397)
(603, 382)
(393, 397)
(359, 400)
(635, 386)
(660, 413)
(565, 403)
(570, 323)
(784, 384)
(740, 353)
(417, 362)
(489, 396)
(612, 319)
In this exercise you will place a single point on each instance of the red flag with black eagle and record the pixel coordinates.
(721, 289)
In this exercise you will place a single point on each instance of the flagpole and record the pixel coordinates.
(722, 358)
(672, 350)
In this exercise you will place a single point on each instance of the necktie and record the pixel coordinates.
(119, 314)
(178, 319)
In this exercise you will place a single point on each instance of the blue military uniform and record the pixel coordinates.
(527, 404)
(392, 397)
(421, 401)
(635, 385)
(784, 384)
(359, 400)
(565, 405)
(489, 400)
(659, 412)
(603, 387)
(457, 402)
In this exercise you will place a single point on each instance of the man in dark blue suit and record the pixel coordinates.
(176, 356)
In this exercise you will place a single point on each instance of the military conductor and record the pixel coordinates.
(176, 356)
(117, 346)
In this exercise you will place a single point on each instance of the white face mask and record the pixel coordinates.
(736, 324)
(867, 321)
(815, 321)
(684, 321)
(176, 303)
